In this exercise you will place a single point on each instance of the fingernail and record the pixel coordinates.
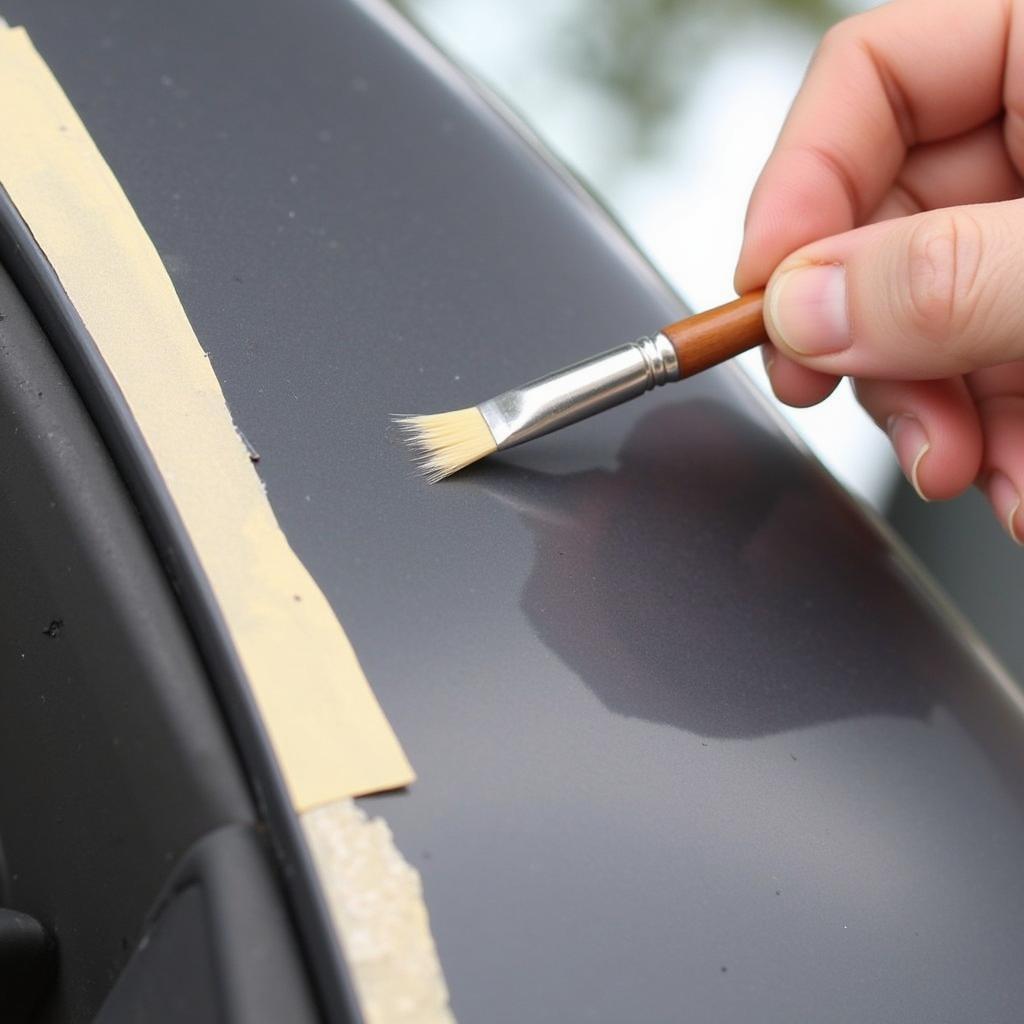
(1005, 501)
(807, 308)
(768, 357)
(911, 445)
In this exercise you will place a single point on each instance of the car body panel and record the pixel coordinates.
(693, 738)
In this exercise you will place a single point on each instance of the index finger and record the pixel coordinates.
(906, 73)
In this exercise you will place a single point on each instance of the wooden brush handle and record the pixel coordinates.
(710, 338)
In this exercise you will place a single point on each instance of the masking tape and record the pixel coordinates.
(376, 902)
(329, 734)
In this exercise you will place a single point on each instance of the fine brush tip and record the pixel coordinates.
(448, 441)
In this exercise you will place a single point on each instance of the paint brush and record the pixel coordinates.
(449, 441)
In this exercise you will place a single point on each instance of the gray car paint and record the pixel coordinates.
(693, 741)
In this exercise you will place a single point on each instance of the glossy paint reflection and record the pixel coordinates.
(704, 582)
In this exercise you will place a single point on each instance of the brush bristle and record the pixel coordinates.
(448, 441)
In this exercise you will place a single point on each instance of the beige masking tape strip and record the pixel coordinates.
(328, 731)
(376, 902)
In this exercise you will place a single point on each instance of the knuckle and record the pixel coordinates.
(836, 39)
(943, 257)
(843, 36)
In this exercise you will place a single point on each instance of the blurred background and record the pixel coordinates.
(666, 110)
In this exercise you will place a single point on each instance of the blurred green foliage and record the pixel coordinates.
(643, 55)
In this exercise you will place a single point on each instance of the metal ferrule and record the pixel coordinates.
(579, 391)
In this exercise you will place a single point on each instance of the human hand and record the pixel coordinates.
(890, 221)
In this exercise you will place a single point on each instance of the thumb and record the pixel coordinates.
(917, 298)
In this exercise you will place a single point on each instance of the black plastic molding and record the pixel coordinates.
(29, 268)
